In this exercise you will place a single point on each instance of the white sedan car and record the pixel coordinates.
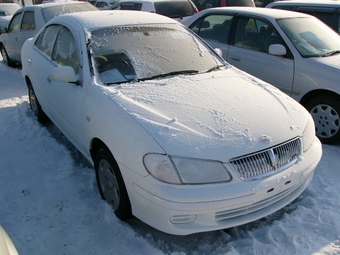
(6, 245)
(295, 52)
(178, 138)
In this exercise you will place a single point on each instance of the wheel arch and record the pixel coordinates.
(319, 92)
(95, 145)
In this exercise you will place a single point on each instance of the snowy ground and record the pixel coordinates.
(49, 203)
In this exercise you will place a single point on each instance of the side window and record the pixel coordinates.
(65, 52)
(214, 27)
(131, 6)
(15, 23)
(255, 34)
(338, 22)
(28, 22)
(46, 39)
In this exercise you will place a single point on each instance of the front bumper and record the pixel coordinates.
(187, 209)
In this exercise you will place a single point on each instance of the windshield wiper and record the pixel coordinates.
(169, 74)
(215, 68)
(331, 53)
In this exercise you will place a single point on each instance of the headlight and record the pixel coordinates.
(178, 170)
(308, 135)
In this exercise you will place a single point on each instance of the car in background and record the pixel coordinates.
(103, 4)
(326, 11)
(6, 245)
(205, 4)
(293, 51)
(178, 137)
(177, 9)
(27, 21)
(6, 12)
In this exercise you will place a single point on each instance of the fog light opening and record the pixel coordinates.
(182, 219)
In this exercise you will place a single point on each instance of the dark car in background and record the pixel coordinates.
(205, 4)
(177, 9)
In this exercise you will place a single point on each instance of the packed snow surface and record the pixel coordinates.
(49, 202)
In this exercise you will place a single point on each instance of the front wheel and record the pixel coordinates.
(35, 106)
(325, 111)
(111, 185)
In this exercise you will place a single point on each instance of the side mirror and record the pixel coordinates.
(219, 52)
(3, 30)
(64, 74)
(277, 50)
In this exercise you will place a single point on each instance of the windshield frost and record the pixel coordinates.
(310, 38)
(136, 53)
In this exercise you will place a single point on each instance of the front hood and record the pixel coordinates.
(331, 61)
(215, 115)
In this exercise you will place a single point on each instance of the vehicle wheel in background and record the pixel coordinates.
(5, 57)
(325, 111)
(111, 185)
(35, 106)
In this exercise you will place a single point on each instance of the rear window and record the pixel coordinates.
(249, 3)
(175, 9)
(54, 11)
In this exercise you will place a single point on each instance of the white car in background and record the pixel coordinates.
(293, 51)
(103, 4)
(178, 137)
(6, 12)
(27, 21)
(6, 245)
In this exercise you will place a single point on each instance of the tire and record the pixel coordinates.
(36, 107)
(111, 185)
(5, 57)
(325, 111)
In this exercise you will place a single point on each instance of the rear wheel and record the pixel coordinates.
(35, 106)
(111, 185)
(325, 111)
(5, 57)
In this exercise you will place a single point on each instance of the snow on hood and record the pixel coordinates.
(215, 115)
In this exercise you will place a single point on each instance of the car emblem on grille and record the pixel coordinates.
(266, 139)
(272, 158)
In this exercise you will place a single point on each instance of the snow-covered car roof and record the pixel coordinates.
(264, 12)
(94, 19)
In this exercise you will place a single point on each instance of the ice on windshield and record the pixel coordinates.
(142, 52)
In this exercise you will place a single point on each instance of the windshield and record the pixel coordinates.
(148, 52)
(311, 37)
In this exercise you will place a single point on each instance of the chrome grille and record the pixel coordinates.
(268, 162)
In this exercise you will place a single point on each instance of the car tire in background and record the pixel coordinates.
(36, 107)
(111, 185)
(325, 111)
(5, 57)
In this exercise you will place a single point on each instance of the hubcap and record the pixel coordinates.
(109, 184)
(326, 120)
